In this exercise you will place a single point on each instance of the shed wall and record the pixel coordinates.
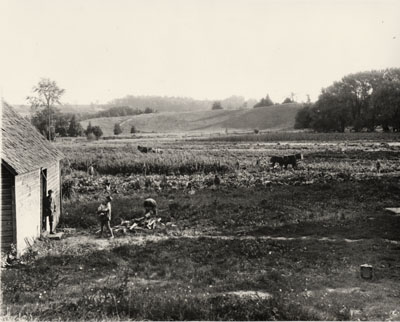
(7, 209)
(27, 202)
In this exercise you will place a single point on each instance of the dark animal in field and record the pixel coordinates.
(144, 149)
(276, 159)
(286, 160)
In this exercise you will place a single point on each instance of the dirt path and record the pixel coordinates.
(104, 243)
(125, 121)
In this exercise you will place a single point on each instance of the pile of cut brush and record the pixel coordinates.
(145, 223)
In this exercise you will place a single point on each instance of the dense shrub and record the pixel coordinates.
(117, 129)
(264, 102)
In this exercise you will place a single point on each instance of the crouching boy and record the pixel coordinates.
(150, 208)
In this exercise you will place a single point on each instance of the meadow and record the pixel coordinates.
(262, 243)
(274, 117)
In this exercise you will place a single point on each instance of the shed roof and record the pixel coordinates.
(23, 148)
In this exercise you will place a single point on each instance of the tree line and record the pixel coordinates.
(180, 104)
(118, 111)
(264, 102)
(360, 101)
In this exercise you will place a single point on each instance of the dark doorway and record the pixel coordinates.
(8, 232)
(43, 194)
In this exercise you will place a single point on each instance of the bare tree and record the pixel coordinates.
(47, 94)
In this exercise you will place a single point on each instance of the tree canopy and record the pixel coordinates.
(74, 128)
(264, 102)
(287, 100)
(360, 101)
(217, 106)
(95, 131)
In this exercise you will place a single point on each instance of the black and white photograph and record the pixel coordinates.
(200, 160)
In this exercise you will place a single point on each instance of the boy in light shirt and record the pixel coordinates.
(104, 212)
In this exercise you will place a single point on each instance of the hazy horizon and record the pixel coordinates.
(101, 50)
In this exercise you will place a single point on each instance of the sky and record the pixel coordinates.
(98, 50)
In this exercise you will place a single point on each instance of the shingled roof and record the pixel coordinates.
(23, 148)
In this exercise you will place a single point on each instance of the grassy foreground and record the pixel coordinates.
(275, 253)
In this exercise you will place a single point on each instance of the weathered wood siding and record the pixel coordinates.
(28, 203)
(7, 210)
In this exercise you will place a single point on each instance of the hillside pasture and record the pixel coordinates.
(272, 117)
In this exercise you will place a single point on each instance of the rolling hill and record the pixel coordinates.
(274, 117)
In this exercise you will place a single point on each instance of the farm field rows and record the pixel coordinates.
(261, 243)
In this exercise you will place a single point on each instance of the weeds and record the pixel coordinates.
(114, 161)
(227, 240)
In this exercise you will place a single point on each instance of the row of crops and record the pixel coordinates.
(110, 161)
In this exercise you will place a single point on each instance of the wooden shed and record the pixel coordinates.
(30, 166)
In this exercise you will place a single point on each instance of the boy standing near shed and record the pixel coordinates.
(49, 210)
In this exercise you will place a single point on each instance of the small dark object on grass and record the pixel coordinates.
(366, 271)
(144, 149)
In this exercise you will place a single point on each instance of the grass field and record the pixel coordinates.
(273, 117)
(264, 244)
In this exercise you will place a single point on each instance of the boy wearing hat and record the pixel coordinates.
(104, 212)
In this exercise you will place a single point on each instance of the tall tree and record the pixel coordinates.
(75, 128)
(117, 129)
(386, 104)
(40, 120)
(61, 122)
(303, 117)
(46, 95)
(330, 113)
(89, 128)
